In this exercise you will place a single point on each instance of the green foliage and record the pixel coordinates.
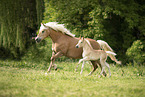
(40, 52)
(50, 13)
(18, 21)
(73, 13)
(136, 52)
(117, 22)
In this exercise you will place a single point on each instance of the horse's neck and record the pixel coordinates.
(54, 35)
(87, 47)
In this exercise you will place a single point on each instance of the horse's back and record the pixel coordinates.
(69, 49)
(94, 44)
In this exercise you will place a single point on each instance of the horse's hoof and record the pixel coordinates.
(55, 69)
(104, 73)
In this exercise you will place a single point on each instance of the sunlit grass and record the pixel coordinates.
(17, 81)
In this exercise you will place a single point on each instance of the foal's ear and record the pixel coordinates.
(83, 38)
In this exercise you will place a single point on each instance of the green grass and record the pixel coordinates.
(26, 79)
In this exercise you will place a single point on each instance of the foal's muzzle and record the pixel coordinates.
(38, 39)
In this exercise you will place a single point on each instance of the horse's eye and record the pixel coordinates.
(43, 31)
(81, 42)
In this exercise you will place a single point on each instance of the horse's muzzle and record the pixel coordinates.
(77, 46)
(38, 39)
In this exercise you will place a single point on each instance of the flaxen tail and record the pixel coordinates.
(104, 45)
(111, 53)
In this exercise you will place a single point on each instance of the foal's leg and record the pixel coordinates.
(78, 64)
(84, 59)
(82, 67)
(108, 68)
(104, 73)
(103, 66)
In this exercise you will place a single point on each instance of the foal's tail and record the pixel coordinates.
(104, 45)
(111, 53)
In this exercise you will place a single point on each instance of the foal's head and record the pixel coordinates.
(43, 33)
(80, 42)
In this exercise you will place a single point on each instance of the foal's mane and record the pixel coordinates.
(88, 43)
(59, 27)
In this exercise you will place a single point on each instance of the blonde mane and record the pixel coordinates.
(88, 43)
(58, 27)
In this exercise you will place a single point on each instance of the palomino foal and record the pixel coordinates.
(89, 54)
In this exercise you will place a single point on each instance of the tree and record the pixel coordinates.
(119, 23)
(19, 19)
(136, 52)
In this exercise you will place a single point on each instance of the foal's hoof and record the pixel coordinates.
(46, 73)
(99, 76)
(89, 74)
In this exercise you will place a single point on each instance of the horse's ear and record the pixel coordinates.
(43, 24)
(80, 37)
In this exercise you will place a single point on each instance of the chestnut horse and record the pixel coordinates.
(63, 43)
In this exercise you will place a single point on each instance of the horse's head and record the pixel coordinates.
(43, 33)
(80, 42)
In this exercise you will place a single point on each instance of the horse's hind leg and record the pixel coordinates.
(95, 66)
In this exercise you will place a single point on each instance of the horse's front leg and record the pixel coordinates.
(57, 55)
(53, 64)
(53, 53)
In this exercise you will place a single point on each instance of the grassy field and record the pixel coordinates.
(26, 79)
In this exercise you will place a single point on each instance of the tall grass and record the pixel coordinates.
(25, 79)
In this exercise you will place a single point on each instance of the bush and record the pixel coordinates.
(40, 52)
(136, 52)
